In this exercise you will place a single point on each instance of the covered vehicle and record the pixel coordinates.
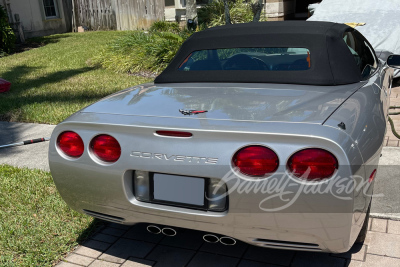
(381, 18)
(269, 133)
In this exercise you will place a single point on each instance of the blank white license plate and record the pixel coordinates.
(179, 189)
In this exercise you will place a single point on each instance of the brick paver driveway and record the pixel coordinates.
(118, 245)
(390, 139)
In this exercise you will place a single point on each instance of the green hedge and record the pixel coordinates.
(138, 52)
(7, 37)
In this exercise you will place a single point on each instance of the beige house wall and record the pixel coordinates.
(32, 17)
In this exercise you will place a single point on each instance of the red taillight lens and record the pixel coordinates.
(372, 176)
(71, 144)
(256, 161)
(174, 133)
(313, 164)
(106, 148)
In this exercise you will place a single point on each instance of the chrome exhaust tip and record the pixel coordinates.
(227, 241)
(153, 229)
(209, 238)
(169, 231)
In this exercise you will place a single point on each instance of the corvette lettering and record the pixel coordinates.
(177, 158)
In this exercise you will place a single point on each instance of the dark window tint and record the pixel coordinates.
(50, 8)
(268, 59)
(363, 54)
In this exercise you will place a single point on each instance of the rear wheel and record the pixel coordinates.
(364, 229)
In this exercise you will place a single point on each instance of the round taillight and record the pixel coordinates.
(71, 144)
(106, 148)
(256, 161)
(313, 164)
(372, 176)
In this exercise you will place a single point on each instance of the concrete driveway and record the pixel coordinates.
(31, 156)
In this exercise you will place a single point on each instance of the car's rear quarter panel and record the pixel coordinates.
(365, 116)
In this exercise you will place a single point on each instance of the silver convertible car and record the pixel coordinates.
(268, 133)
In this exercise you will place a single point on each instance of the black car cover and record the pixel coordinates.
(332, 61)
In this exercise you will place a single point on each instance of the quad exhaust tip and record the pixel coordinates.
(225, 240)
(209, 238)
(169, 231)
(154, 229)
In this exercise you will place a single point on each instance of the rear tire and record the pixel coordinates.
(364, 229)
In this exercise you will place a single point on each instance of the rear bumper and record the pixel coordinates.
(330, 231)
(291, 231)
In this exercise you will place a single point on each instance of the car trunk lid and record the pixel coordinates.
(235, 102)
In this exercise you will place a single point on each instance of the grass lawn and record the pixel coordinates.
(36, 226)
(52, 82)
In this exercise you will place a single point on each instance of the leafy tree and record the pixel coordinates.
(255, 6)
(257, 9)
(227, 13)
(191, 12)
(221, 12)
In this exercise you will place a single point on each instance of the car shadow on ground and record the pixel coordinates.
(118, 244)
(396, 82)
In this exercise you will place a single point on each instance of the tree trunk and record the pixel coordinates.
(257, 9)
(191, 11)
(227, 13)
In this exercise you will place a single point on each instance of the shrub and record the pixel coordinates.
(127, 53)
(7, 37)
(213, 14)
(164, 26)
(138, 52)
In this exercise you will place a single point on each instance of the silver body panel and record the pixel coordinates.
(285, 118)
(237, 102)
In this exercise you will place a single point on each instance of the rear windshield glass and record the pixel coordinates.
(268, 59)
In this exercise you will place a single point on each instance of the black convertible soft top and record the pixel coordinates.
(332, 61)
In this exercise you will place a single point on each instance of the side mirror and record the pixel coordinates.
(394, 61)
